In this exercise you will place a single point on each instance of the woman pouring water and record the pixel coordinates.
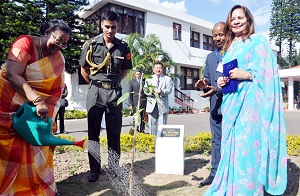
(33, 72)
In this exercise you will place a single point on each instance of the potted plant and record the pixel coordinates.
(171, 110)
(175, 110)
(206, 109)
(179, 110)
(184, 110)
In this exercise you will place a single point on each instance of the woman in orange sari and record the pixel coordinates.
(34, 71)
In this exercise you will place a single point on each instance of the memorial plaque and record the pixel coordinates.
(169, 150)
(170, 132)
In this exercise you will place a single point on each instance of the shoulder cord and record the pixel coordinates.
(94, 67)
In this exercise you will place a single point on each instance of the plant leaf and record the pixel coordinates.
(121, 99)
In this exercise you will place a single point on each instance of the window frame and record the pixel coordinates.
(177, 31)
(209, 46)
(188, 73)
(193, 40)
(138, 22)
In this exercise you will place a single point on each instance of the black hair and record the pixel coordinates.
(53, 25)
(138, 70)
(159, 63)
(110, 15)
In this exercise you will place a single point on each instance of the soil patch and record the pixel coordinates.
(72, 169)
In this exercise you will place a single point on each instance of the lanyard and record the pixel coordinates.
(217, 54)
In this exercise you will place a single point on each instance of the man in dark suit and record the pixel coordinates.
(134, 88)
(210, 88)
(61, 112)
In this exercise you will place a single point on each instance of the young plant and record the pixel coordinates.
(137, 122)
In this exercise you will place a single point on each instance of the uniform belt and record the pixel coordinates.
(106, 84)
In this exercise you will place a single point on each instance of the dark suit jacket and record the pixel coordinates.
(134, 86)
(212, 75)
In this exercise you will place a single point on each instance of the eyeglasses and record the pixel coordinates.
(59, 42)
(112, 27)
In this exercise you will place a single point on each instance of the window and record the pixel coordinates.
(131, 21)
(189, 77)
(195, 39)
(176, 31)
(131, 24)
(208, 43)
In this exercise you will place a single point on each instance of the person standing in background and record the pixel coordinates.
(134, 89)
(298, 100)
(211, 90)
(105, 61)
(61, 112)
(158, 108)
(253, 146)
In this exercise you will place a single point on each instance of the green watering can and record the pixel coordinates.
(35, 130)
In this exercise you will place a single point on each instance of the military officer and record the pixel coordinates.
(104, 62)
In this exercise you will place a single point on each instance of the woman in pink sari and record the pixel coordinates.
(33, 72)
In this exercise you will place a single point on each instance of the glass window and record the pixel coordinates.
(189, 76)
(131, 21)
(176, 31)
(195, 41)
(208, 43)
(131, 25)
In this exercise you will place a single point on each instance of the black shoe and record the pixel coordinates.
(93, 177)
(207, 181)
(64, 132)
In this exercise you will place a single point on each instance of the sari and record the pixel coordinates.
(27, 169)
(253, 145)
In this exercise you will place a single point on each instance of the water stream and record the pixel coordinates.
(118, 175)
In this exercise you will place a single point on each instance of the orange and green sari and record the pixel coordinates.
(27, 169)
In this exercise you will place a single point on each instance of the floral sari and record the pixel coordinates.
(27, 169)
(253, 146)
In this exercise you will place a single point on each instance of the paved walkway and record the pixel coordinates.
(193, 123)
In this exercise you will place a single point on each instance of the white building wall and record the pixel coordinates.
(158, 20)
(181, 52)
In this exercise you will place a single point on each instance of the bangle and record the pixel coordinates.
(36, 99)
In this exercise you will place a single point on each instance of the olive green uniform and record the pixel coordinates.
(104, 90)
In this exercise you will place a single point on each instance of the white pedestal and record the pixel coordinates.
(169, 150)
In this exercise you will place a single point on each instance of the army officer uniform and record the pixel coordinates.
(106, 66)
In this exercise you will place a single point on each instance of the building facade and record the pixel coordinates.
(187, 39)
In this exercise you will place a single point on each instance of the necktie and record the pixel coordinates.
(157, 81)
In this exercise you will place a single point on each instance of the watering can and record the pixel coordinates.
(36, 130)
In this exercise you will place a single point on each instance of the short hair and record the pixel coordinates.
(53, 25)
(138, 70)
(247, 32)
(218, 23)
(159, 63)
(110, 15)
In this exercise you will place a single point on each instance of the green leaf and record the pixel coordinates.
(148, 76)
(137, 119)
(121, 99)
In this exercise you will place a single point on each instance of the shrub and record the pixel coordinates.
(293, 144)
(75, 114)
(146, 143)
(200, 142)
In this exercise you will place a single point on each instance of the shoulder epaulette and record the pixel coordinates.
(90, 41)
(123, 42)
